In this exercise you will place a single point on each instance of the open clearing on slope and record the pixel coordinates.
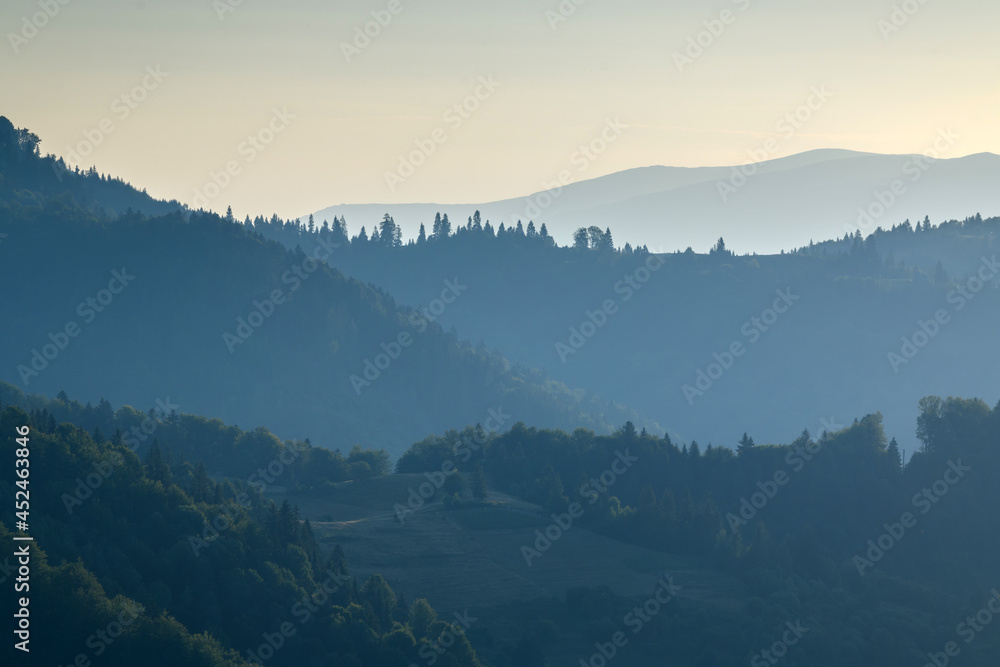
(471, 558)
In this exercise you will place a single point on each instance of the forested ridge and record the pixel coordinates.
(148, 560)
(815, 531)
(219, 367)
(855, 300)
(885, 563)
(196, 307)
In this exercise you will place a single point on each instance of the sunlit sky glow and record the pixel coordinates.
(557, 89)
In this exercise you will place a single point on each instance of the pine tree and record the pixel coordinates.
(377, 593)
(389, 232)
(422, 618)
(200, 484)
(895, 459)
(287, 525)
(746, 444)
(940, 275)
(478, 482)
(156, 468)
(422, 236)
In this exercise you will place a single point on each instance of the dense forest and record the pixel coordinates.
(885, 563)
(227, 426)
(189, 305)
(951, 248)
(28, 177)
(876, 561)
(148, 560)
(662, 346)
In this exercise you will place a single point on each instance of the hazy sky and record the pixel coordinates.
(558, 87)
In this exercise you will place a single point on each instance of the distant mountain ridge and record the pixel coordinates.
(139, 306)
(766, 207)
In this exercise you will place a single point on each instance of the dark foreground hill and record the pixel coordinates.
(156, 563)
(823, 552)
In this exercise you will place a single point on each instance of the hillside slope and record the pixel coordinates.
(764, 208)
(196, 308)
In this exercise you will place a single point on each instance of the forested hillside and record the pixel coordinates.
(199, 309)
(836, 330)
(149, 561)
(953, 248)
(28, 177)
(883, 563)
(832, 535)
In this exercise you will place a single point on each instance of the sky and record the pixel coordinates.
(288, 107)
